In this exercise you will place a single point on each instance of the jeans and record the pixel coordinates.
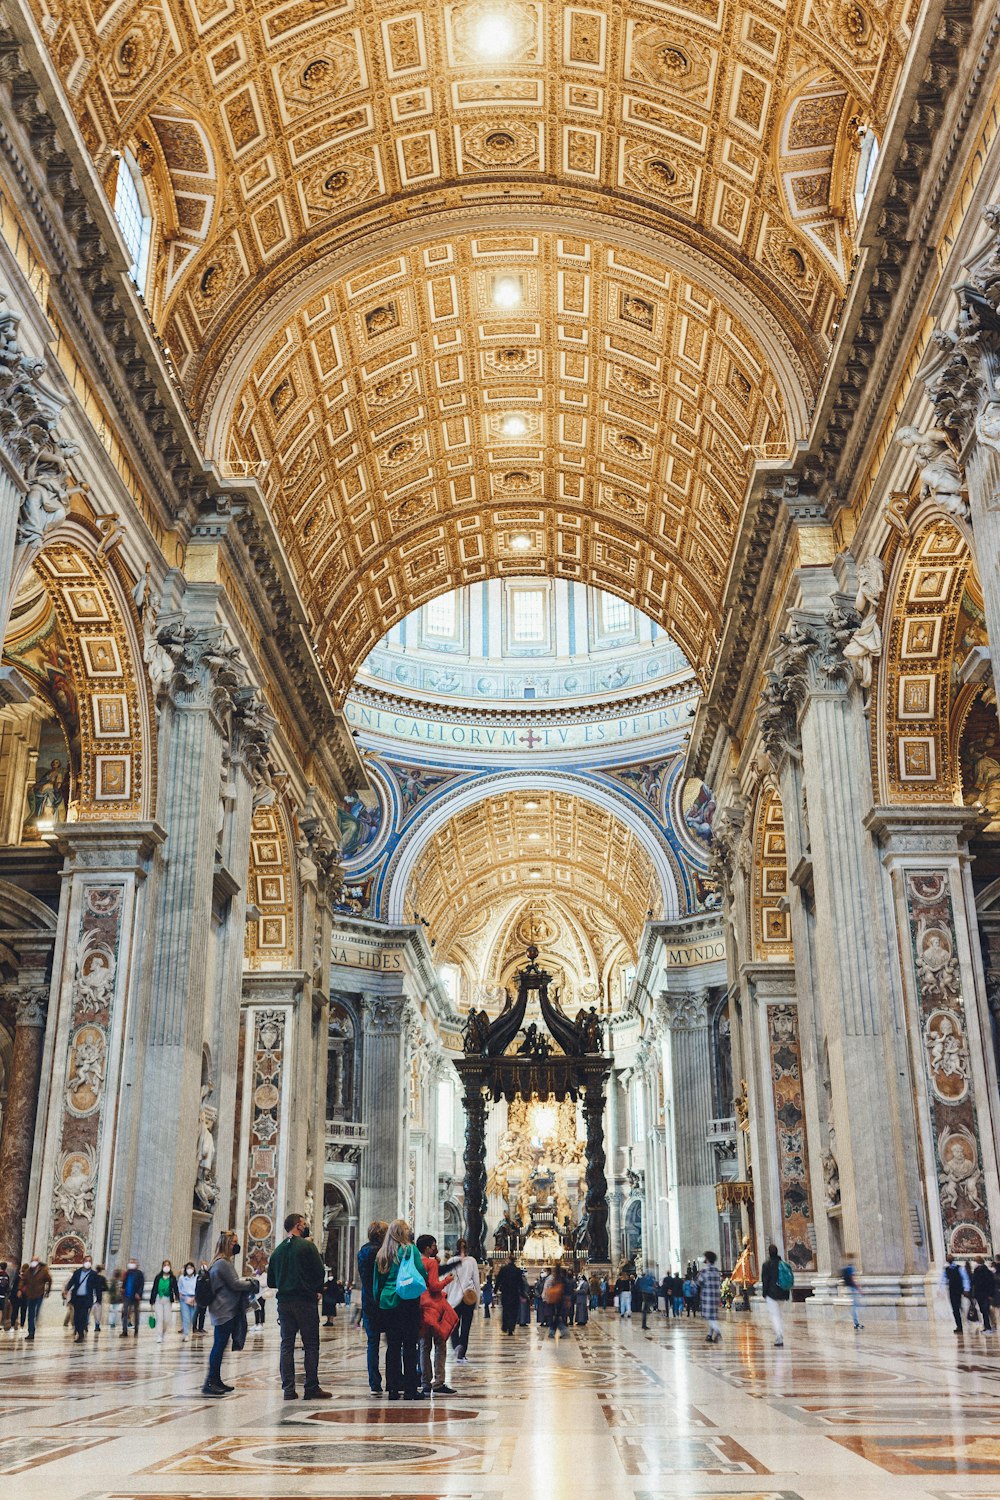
(369, 1318)
(402, 1330)
(34, 1305)
(114, 1313)
(223, 1333)
(299, 1315)
(433, 1352)
(648, 1306)
(855, 1305)
(460, 1334)
(187, 1317)
(131, 1312)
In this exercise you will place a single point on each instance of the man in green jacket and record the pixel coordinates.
(296, 1272)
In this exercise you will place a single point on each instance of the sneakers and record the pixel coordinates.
(291, 1396)
(317, 1395)
(779, 1343)
(442, 1390)
(215, 1390)
(461, 1360)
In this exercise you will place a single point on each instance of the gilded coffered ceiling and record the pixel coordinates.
(494, 859)
(381, 234)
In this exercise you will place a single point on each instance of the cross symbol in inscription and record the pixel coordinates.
(531, 739)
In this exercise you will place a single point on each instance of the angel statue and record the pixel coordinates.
(940, 476)
(866, 642)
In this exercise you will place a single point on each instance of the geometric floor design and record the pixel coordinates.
(608, 1412)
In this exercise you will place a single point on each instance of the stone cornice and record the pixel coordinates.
(525, 713)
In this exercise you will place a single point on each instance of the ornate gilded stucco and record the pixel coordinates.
(271, 887)
(664, 184)
(771, 937)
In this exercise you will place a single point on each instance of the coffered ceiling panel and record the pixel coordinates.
(533, 848)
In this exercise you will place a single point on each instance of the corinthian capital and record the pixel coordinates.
(810, 659)
(29, 413)
(383, 1014)
(31, 1006)
(683, 1012)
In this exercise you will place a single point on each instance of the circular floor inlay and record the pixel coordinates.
(377, 1416)
(320, 1455)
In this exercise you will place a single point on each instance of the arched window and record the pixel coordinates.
(866, 168)
(134, 218)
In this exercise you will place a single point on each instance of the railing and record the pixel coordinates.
(346, 1133)
(721, 1130)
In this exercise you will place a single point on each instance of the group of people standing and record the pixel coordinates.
(417, 1305)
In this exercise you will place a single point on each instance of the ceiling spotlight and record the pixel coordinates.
(513, 425)
(521, 543)
(534, 874)
(531, 806)
(534, 835)
(507, 292)
(495, 35)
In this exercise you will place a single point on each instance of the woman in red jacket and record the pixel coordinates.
(438, 1319)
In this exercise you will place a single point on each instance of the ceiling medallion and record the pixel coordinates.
(517, 481)
(382, 319)
(634, 382)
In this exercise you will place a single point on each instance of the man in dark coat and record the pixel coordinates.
(510, 1280)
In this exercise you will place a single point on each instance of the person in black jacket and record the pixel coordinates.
(953, 1280)
(984, 1288)
(773, 1294)
(100, 1292)
(80, 1293)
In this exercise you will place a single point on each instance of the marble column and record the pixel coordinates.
(17, 1138)
(383, 1106)
(684, 1017)
(597, 1182)
(813, 711)
(951, 1062)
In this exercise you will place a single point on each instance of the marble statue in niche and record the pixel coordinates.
(940, 476)
(88, 1061)
(960, 1174)
(947, 1055)
(937, 966)
(94, 985)
(74, 1191)
(206, 1188)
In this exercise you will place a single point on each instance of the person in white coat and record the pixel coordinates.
(463, 1294)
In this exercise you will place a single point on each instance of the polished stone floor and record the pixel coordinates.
(608, 1410)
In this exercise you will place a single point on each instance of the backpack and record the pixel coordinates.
(4, 1287)
(411, 1282)
(203, 1291)
(786, 1276)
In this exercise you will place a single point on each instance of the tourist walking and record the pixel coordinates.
(775, 1287)
(646, 1287)
(463, 1294)
(582, 1300)
(850, 1281)
(81, 1290)
(623, 1291)
(437, 1320)
(133, 1287)
(296, 1273)
(36, 1284)
(100, 1292)
(114, 1298)
(487, 1297)
(329, 1299)
(554, 1296)
(163, 1294)
(398, 1284)
(6, 1286)
(229, 1291)
(187, 1282)
(369, 1303)
(984, 1289)
(952, 1279)
(510, 1290)
(200, 1312)
(709, 1287)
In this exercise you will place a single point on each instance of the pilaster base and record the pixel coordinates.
(884, 1299)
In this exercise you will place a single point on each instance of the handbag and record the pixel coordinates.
(470, 1297)
(152, 1320)
(410, 1282)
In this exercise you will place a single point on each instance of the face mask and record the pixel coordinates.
(34, 1263)
(87, 1265)
(131, 1265)
(304, 1231)
(237, 1248)
(166, 1269)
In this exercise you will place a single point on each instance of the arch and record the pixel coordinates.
(770, 930)
(425, 825)
(930, 625)
(89, 593)
(272, 939)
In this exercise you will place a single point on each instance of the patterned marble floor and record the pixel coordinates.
(606, 1411)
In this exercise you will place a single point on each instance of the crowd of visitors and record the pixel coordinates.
(414, 1307)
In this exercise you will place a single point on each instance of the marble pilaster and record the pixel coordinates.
(20, 1110)
(383, 1106)
(687, 1059)
(951, 1062)
(813, 711)
(99, 951)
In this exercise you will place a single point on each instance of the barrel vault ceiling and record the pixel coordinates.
(476, 288)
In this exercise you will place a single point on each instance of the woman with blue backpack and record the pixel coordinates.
(776, 1281)
(398, 1284)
